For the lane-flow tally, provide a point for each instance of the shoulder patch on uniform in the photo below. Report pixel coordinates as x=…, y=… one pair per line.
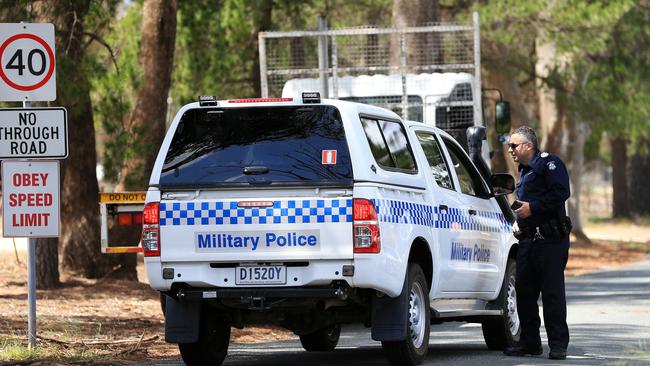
x=544, y=154
x=551, y=165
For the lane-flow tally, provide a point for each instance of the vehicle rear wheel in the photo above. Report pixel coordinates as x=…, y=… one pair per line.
x=504, y=331
x=413, y=349
x=322, y=340
x=163, y=302
x=212, y=345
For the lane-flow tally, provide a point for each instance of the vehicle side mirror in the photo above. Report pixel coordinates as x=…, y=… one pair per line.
x=502, y=184
x=502, y=116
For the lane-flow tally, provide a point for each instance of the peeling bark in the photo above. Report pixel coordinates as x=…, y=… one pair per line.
x=148, y=120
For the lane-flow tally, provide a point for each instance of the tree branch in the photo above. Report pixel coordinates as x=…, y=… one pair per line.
x=95, y=342
x=100, y=40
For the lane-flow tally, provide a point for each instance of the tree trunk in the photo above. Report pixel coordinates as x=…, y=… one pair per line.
x=262, y=12
x=147, y=122
x=421, y=49
x=639, y=194
x=47, y=263
x=620, y=208
x=550, y=118
x=79, y=240
x=579, y=133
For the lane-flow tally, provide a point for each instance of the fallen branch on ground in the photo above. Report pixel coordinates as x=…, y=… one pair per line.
x=93, y=342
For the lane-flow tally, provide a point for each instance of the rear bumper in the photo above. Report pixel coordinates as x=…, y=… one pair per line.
x=203, y=275
x=338, y=292
x=369, y=272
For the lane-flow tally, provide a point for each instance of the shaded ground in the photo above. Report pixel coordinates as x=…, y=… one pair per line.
x=115, y=322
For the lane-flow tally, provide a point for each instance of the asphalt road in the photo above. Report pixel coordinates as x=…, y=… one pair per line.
x=608, y=314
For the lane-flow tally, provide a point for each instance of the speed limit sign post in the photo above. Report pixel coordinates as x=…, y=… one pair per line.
x=28, y=74
x=27, y=62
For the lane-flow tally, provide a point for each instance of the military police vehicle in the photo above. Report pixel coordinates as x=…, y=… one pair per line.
x=308, y=214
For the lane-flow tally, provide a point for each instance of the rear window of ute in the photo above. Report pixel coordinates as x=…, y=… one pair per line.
x=258, y=146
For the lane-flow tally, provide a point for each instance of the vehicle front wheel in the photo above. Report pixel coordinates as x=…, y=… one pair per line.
x=413, y=349
x=504, y=331
x=212, y=345
x=322, y=340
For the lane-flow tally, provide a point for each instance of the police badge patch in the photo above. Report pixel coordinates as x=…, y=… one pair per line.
x=551, y=166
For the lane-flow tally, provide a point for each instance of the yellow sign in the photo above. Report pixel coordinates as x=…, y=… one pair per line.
x=132, y=197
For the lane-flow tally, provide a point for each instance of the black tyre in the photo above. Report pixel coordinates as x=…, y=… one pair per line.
x=163, y=302
x=322, y=340
x=413, y=349
x=504, y=331
x=212, y=346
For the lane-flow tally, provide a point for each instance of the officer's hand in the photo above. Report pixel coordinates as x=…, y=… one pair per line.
x=524, y=210
x=515, y=227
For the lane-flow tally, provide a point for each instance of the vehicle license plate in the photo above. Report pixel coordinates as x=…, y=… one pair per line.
x=261, y=275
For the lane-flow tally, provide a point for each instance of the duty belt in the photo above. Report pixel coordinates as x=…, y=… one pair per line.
x=553, y=229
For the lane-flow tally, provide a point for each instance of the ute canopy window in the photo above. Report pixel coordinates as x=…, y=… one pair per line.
x=389, y=145
x=259, y=146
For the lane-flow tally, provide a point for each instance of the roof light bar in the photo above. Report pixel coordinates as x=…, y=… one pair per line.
x=207, y=100
x=311, y=97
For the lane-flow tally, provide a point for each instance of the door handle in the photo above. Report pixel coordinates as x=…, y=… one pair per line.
x=443, y=207
x=472, y=212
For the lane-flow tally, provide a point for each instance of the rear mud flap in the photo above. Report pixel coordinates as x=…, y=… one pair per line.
x=182, y=321
x=390, y=316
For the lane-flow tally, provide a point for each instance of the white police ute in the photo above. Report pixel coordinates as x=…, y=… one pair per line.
x=308, y=214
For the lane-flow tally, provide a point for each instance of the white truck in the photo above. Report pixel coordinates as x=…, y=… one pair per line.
x=308, y=214
x=429, y=73
x=444, y=100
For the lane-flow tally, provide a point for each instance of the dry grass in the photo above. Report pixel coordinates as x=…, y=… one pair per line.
x=86, y=322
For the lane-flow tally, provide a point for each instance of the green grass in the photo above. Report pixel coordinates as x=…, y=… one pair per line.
x=16, y=350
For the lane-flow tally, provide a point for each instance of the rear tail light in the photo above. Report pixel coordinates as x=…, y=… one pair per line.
x=365, y=227
x=151, y=229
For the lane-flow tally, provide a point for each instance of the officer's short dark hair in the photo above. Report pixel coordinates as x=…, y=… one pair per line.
x=528, y=133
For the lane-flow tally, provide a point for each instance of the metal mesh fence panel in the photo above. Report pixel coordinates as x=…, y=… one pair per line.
x=389, y=67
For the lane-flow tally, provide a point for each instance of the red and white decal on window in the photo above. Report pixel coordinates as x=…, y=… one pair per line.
x=328, y=157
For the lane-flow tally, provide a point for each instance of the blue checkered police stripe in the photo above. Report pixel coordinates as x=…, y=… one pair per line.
x=326, y=211
x=401, y=212
x=282, y=212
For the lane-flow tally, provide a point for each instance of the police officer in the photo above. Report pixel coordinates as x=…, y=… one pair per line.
x=543, y=233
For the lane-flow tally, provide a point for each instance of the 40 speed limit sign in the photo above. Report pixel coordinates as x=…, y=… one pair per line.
x=27, y=62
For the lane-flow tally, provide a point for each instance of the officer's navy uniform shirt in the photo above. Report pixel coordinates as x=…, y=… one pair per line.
x=544, y=184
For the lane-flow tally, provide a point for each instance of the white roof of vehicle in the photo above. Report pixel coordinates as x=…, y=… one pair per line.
x=434, y=84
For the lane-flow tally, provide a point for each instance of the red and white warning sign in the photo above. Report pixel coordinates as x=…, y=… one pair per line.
x=27, y=62
x=328, y=157
x=30, y=198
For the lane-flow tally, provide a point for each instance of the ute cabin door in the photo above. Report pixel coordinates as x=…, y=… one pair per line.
x=477, y=257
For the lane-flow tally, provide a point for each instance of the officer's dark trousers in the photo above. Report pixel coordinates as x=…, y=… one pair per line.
x=540, y=268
